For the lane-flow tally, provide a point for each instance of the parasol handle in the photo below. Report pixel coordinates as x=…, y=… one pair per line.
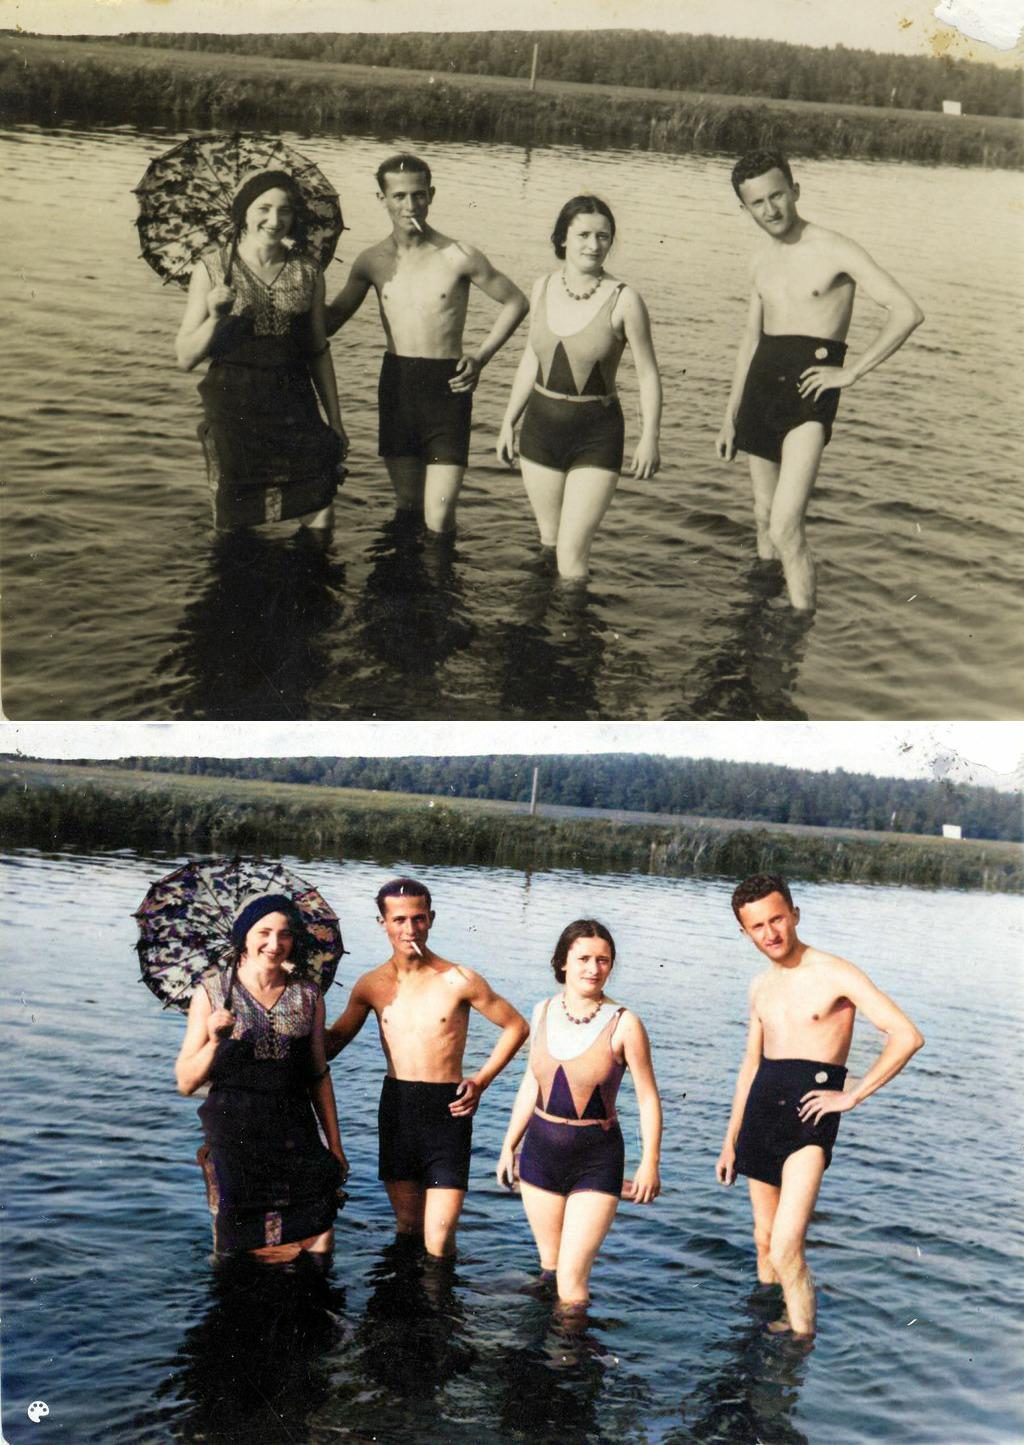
x=231, y=985
x=227, y=282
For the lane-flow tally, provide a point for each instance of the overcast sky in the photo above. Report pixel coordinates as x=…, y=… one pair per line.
x=991, y=754
x=910, y=26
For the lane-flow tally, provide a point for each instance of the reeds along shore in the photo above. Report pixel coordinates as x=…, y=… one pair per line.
x=46, y=808
x=76, y=83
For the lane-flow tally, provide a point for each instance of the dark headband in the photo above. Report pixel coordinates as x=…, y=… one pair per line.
x=257, y=909
x=255, y=186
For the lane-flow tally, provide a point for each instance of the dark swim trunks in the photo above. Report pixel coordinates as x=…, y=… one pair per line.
x=569, y=1158
x=771, y=405
x=567, y=434
x=419, y=415
x=419, y=1139
x=772, y=1130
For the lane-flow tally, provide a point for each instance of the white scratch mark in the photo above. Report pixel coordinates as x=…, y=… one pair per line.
x=910, y=599
x=912, y=1322
x=998, y=23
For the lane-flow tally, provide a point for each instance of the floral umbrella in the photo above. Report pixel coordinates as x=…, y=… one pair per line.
x=185, y=922
x=185, y=199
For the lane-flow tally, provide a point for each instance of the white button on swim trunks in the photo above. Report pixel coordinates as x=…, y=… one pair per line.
x=821, y=1077
x=821, y=353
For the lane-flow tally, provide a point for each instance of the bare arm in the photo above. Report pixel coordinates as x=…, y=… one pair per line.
x=725, y=444
x=514, y=307
x=637, y=323
x=321, y=1090
x=206, y=309
x=514, y=1029
x=525, y=1102
x=725, y=1169
x=321, y=367
x=637, y=1049
x=350, y=297
x=202, y=1038
x=904, y=316
x=902, y=1041
x=522, y=385
x=347, y=1024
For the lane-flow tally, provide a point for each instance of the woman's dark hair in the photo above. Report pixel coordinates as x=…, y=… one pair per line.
x=582, y=928
x=271, y=181
x=578, y=206
x=303, y=943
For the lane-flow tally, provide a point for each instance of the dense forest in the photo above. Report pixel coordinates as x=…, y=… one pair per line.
x=653, y=59
x=650, y=784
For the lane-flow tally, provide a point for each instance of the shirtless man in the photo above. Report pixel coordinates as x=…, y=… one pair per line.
x=786, y=1108
x=425, y=394
x=792, y=362
x=422, y=1003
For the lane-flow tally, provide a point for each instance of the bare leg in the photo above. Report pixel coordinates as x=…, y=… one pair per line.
x=764, y=477
x=545, y=1212
x=407, y=1201
x=801, y=456
x=801, y=1180
x=407, y=478
x=586, y=497
x=588, y=1218
x=440, y=1216
x=440, y=494
x=764, y=1201
x=544, y=487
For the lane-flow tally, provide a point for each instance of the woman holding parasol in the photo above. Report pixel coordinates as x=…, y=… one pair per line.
x=255, y=1034
x=249, y=224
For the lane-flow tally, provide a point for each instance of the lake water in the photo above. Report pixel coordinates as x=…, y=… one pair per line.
x=120, y=603
x=113, y=1317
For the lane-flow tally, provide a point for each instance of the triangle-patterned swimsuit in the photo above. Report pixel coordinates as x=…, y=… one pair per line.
x=574, y=1141
x=573, y=417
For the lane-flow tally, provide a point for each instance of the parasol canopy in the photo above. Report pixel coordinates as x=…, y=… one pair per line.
x=185, y=199
x=185, y=922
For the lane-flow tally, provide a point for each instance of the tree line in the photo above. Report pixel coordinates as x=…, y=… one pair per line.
x=649, y=784
x=715, y=64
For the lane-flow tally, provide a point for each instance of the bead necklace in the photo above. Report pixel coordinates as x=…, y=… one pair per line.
x=583, y=295
x=572, y=1017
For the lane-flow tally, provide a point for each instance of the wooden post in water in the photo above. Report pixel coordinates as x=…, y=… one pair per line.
x=533, y=794
x=533, y=86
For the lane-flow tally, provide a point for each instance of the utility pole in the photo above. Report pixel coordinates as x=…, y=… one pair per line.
x=533, y=794
x=533, y=82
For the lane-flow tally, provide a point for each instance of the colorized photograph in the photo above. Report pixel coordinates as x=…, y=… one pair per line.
x=644, y=1092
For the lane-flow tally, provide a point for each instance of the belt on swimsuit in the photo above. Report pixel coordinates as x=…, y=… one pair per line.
x=612, y=396
x=576, y=1123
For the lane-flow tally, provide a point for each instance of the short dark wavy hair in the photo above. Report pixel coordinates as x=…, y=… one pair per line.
x=578, y=206
x=759, y=163
x=403, y=162
x=402, y=888
x=756, y=887
x=581, y=928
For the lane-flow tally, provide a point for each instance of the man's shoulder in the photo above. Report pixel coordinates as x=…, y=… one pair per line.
x=822, y=962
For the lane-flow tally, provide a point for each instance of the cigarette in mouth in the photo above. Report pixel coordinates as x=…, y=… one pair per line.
x=416, y=948
x=413, y=222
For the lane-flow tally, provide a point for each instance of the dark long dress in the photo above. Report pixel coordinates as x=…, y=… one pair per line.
x=270, y=1179
x=270, y=455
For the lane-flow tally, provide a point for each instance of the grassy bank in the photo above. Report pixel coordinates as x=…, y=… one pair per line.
x=54, y=806
x=50, y=81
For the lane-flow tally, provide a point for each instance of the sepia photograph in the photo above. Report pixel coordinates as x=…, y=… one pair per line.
x=285, y=443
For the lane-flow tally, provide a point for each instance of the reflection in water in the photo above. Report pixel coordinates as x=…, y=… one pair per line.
x=754, y=1390
x=255, y=1366
x=549, y=657
x=254, y=645
x=752, y=674
x=411, y=1340
x=412, y=617
x=551, y=1385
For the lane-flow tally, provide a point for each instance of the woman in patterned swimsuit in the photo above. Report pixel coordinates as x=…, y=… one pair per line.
x=258, y=1040
x=572, y=442
x=572, y=1163
x=256, y=309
